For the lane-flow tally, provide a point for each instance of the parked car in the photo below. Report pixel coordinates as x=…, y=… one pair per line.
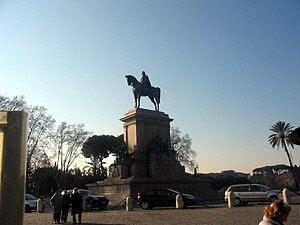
x=222, y=191
x=92, y=201
x=30, y=202
x=162, y=197
x=245, y=193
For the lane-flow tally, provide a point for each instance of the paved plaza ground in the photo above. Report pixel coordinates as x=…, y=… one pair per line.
x=217, y=214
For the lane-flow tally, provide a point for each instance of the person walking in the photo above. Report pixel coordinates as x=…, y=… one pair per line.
x=66, y=200
x=276, y=213
x=76, y=200
x=56, y=203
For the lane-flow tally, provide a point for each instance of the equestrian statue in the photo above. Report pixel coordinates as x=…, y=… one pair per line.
x=143, y=88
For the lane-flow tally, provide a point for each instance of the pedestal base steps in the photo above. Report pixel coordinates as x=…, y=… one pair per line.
x=117, y=190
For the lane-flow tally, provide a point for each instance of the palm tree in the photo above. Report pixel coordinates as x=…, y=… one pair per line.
x=281, y=138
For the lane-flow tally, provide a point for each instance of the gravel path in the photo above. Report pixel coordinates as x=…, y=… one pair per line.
x=214, y=215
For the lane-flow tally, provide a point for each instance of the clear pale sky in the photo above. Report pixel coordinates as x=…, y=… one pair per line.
x=227, y=69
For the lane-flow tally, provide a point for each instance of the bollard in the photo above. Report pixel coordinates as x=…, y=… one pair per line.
x=129, y=203
x=287, y=196
x=179, y=202
x=84, y=208
x=231, y=199
x=40, y=205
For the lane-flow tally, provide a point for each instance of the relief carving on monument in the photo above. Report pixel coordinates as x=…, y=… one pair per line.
x=159, y=145
x=123, y=188
x=114, y=171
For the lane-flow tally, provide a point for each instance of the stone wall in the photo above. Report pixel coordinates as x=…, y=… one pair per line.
x=117, y=191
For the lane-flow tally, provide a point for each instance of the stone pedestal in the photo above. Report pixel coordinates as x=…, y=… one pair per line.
x=150, y=162
x=141, y=127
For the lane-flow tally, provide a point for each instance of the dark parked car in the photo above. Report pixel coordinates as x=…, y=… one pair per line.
x=93, y=201
x=162, y=197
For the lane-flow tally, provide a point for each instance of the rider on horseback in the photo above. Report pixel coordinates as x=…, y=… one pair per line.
x=143, y=88
x=145, y=82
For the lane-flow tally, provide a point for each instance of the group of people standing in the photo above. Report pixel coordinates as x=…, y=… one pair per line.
x=61, y=201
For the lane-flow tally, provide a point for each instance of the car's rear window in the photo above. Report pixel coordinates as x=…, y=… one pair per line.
x=152, y=192
x=256, y=188
x=240, y=189
x=86, y=192
x=265, y=187
x=30, y=197
x=164, y=192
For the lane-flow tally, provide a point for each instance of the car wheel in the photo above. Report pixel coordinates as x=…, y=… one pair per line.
x=237, y=201
x=145, y=205
x=89, y=205
x=185, y=205
x=273, y=198
x=27, y=208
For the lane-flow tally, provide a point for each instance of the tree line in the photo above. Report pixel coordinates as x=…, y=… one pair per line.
x=276, y=176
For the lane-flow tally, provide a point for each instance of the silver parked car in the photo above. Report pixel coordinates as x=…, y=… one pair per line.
x=245, y=193
x=30, y=202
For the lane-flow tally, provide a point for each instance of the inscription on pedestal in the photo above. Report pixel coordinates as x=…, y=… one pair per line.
x=123, y=188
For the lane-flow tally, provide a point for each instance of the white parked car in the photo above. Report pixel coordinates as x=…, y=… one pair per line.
x=30, y=202
x=245, y=193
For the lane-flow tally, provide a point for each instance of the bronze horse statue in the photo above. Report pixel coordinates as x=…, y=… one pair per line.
x=152, y=92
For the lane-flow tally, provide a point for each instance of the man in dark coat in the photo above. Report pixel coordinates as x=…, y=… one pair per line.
x=76, y=200
x=66, y=199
